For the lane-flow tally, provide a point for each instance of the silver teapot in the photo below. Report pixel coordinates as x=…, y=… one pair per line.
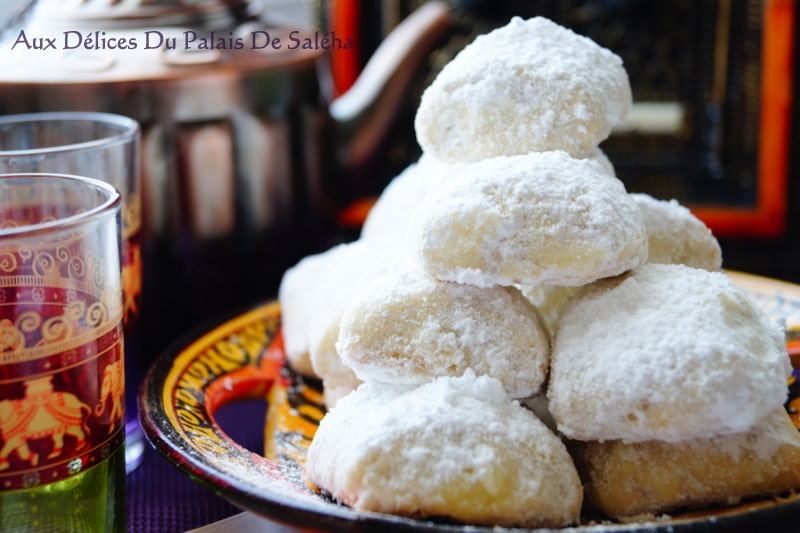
x=246, y=154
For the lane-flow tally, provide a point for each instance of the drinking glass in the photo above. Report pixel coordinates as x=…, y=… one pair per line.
x=102, y=146
x=62, y=379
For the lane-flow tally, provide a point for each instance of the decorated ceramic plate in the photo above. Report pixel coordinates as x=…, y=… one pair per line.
x=243, y=358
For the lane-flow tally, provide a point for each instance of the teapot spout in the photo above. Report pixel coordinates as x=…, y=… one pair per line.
x=365, y=113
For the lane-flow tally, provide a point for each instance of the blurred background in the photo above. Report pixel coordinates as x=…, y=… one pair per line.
x=714, y=125
x=249, y=163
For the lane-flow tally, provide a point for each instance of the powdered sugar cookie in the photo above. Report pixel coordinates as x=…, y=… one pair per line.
x=296, y=296
x=407, y=328
x=530, y=86
x=549, y=300
x=338, y=379
x=668, y=353
x=654, y=477
x=388, y=218
x=536, y=218
x=456, y=448
x=675, y=235
x=313, y=294
x=599, y=156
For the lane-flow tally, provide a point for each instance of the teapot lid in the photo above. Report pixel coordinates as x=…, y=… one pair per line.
x=113, y=14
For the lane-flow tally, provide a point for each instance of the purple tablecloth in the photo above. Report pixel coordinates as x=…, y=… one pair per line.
x=162, y=499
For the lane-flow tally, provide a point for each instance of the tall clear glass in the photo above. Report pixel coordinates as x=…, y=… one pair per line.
x=102, y=146
x=62, y=379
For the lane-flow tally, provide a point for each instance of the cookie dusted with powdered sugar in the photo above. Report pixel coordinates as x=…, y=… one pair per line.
x=625, y=479
x=530, y=86
x=313, y=294
x=296, y=296
x=599, y=156
x=536, y=218
x=676, y=236
x=408, y=328
x=549, y=300
x=455, y=448
x=666, y=353
x=388, y=218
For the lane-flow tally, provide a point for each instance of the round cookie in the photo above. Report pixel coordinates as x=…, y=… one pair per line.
x=530, y=86
x=666, y=352
x=536, y=218
x=338, y=379
x=676, y=236
x=599, y=156
x=388, y=218
x=549, y=300
x=625, y=479
x=313, y=294
x=407, y=328
x=456, y=448
x=296, y=295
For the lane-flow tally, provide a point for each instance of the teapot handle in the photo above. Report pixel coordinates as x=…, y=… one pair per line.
x=364, y=113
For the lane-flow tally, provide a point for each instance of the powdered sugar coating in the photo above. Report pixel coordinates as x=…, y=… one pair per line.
x=624, y=479
x=407, y=328
x=530, y=86
x=549, y=300
x=455, y=447
x=536, y=218
x=296, y=296
x=313, y=294
x=675, y=235
x=668, y=353
x=388, y=218
x=599, y=156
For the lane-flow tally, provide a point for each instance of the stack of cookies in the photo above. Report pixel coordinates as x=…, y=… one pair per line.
x=510, y=267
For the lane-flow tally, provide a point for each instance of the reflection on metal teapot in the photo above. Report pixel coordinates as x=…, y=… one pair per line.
x=245, y=154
